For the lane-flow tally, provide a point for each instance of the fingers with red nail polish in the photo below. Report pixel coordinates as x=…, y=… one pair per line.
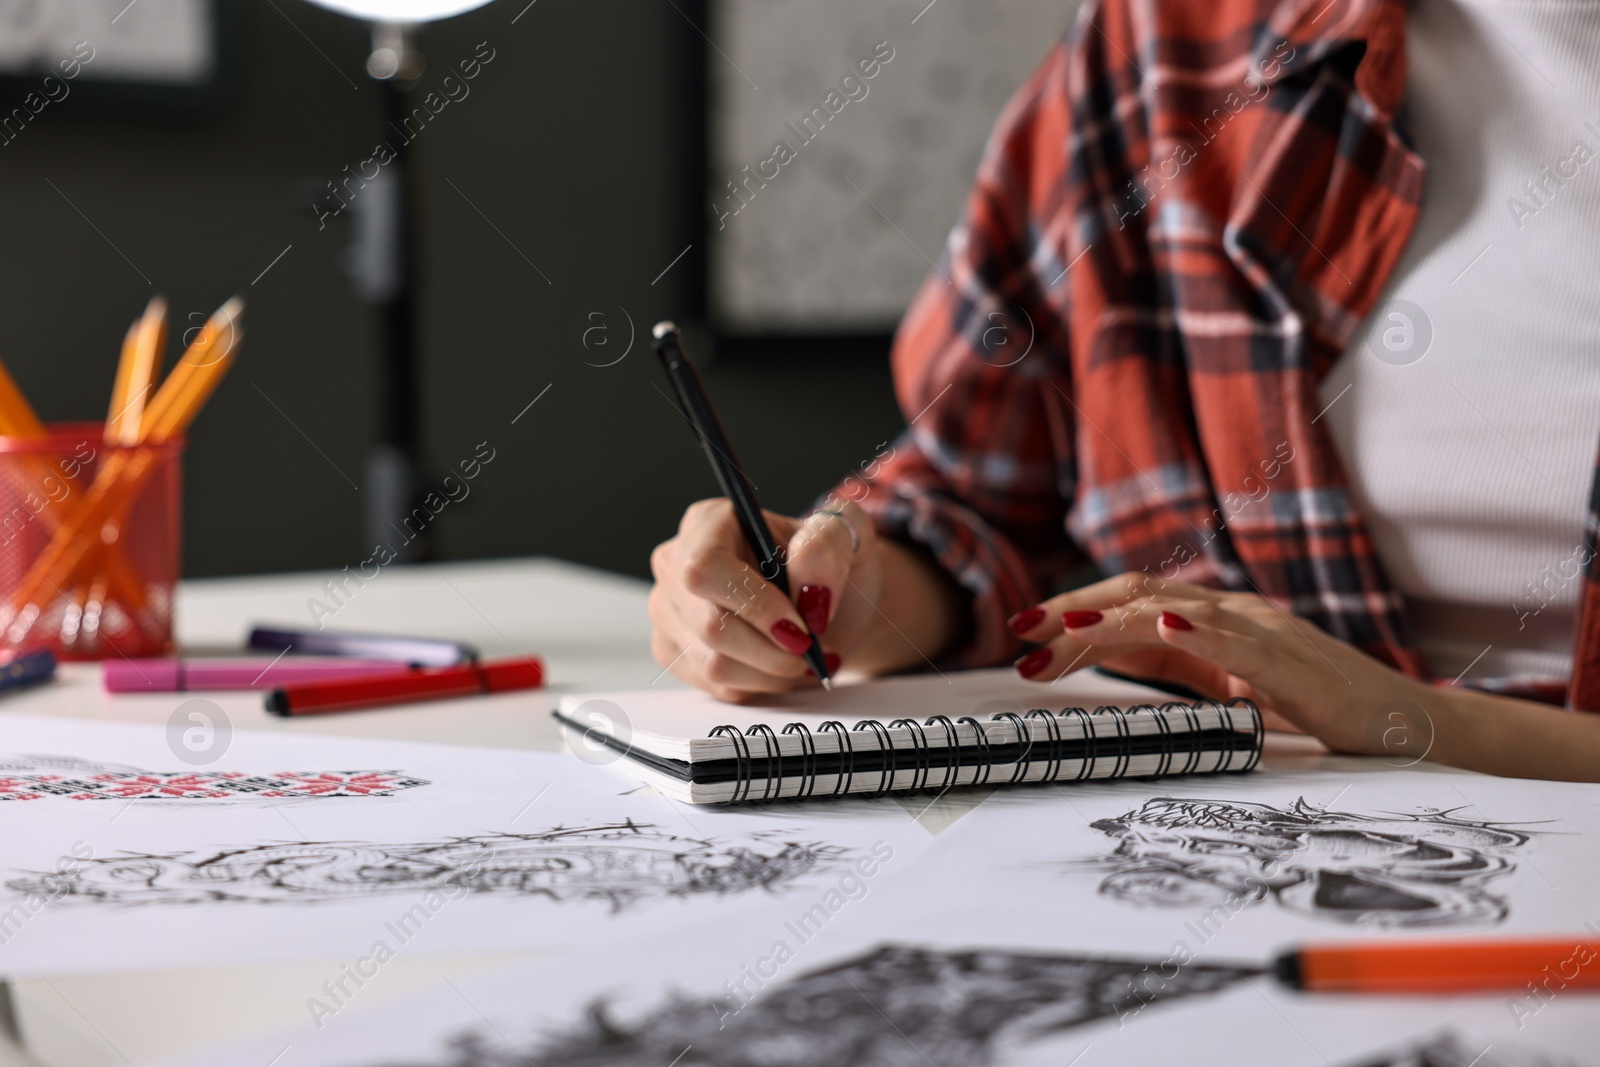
x=1023, y=621
x=1092, y=636
x=790, y=637
x=1034, y=662
x=813, y=604
x=823, y=557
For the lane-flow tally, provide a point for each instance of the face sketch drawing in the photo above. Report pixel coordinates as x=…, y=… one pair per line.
x=1387, y=870
x=1447, y=1049
x=620, y=864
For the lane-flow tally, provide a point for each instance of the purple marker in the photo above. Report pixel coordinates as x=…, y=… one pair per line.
x=183, y=675
x=423, y=651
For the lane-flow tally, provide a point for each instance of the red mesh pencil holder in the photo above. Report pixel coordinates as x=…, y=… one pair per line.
x=90, y=544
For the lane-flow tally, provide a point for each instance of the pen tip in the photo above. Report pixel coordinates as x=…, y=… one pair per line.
x=663, y=328
x=827, y=683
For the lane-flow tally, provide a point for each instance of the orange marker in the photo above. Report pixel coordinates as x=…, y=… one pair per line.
x=1425, y=967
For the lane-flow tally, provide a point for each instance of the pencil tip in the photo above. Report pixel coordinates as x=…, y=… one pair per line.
x=827, y=683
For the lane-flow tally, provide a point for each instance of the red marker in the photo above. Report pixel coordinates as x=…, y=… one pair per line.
x=440, y=683
x=1441, y=966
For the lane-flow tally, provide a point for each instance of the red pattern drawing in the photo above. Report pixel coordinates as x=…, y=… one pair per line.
x=204, y=785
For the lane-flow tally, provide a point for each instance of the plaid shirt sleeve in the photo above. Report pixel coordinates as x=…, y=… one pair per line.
x=983, y=476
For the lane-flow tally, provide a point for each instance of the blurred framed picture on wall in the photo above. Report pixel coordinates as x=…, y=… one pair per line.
x=145, y=57
x=843, y=140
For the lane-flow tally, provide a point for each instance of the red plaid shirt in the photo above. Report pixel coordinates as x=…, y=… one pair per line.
x=1178, y=225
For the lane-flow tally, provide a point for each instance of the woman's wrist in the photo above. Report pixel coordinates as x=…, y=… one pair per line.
x=1514, y=738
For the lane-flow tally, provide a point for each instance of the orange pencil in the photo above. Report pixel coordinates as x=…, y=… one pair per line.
x=16, y=416
x=137, y=371
x=120, y=478
x=1431, y=967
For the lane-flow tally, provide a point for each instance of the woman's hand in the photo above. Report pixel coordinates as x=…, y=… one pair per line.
x=1234, y=645
x=1241, y=645
x=721, y=626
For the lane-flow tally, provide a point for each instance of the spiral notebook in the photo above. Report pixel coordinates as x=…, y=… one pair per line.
x=923, y=733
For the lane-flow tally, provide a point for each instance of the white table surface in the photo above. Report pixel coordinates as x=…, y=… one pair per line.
x=589, y=626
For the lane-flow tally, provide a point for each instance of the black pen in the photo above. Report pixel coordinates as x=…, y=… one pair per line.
x=719, y=450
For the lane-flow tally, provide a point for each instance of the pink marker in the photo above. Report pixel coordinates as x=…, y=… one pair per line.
x=183, y=675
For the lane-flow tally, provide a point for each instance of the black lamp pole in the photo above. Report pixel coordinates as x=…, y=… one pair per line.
x=383, y=266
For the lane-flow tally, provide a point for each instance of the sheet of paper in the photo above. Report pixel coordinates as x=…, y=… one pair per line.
x=48, y=763
x=758, y=993
x=355, y=884
x=1244, y=866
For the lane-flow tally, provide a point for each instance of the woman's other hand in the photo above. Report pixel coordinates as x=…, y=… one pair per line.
x=1225, y=644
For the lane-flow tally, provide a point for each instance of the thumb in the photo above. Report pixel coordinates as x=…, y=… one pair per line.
x=822, y=552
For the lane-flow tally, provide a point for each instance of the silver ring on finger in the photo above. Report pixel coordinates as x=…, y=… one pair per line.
x=855, y=538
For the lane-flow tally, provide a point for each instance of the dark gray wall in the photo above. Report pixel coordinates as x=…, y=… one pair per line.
x=571, y=147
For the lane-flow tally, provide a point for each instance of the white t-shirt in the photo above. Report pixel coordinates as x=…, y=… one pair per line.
x=1467, y=411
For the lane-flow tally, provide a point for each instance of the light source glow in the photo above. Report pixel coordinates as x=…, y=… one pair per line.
x=400, y=10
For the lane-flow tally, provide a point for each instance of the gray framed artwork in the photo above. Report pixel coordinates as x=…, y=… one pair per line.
x=152, y=57
x=843, y=141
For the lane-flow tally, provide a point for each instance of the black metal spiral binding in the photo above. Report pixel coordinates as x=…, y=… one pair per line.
x=885, y=746
x=1225, y=721
x=1166, y=749
x=1258, y=733
x=1024, y=738
x=741, y=782
x=847, y=755
x=919, y=744
x=1053, y=725
x=1124, y=738
x=1053, y=732
x=1191, y=718
x=808, y=759
x=952, y=744
x=980, y=774
x=774, y=759
x=1226, y=759
x=1086, y=730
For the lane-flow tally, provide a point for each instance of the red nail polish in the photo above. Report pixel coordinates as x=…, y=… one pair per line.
x=790, y=637
x=1077, y=620
x=1175, y=622
x=813, y=604
x=1023, y=621
x=1033, y=662
x=831, y=661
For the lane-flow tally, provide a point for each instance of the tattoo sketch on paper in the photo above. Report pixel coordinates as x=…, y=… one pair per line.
x=621, y=864
x=899, y=1005
x=39, y=777
x=1384, y=870
x=1447, y=1049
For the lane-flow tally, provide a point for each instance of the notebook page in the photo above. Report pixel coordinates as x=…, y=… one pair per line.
x=677, y=723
